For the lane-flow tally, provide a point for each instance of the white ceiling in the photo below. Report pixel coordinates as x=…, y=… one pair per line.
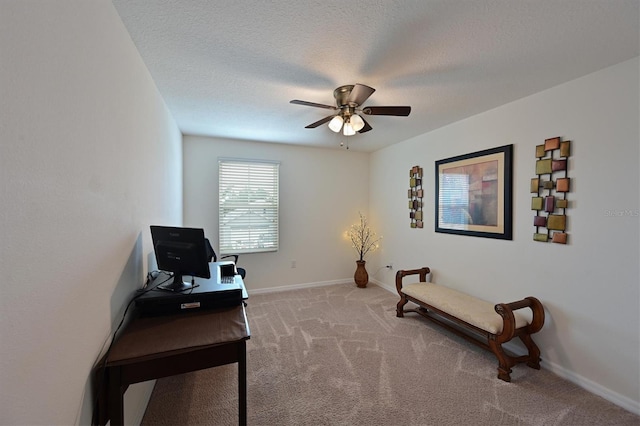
x=228, y=68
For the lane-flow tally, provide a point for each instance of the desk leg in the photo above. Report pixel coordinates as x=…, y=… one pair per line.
x=242, y=383
x=115, y=402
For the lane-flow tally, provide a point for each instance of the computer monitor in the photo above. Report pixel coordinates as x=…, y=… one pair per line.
x=182, y=251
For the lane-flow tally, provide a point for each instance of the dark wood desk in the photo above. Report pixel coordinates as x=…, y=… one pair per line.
x=155, y=347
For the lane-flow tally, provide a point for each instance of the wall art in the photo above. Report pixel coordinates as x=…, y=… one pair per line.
x=550, y=187
x=474, y=194
x=415, y=195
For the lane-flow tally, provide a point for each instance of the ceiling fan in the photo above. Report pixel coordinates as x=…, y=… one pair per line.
x=349, y=110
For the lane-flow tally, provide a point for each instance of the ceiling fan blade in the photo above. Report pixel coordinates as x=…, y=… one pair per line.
x=388, y=110
x=319, y=122
x=360, y=93
x=366, y=127
x=311, y=104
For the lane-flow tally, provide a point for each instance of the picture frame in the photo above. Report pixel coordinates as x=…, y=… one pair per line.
x=474, y=194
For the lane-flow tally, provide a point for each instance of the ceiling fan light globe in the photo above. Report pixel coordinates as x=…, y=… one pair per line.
x=357, y=123
x=336, y=123
x=348, y=130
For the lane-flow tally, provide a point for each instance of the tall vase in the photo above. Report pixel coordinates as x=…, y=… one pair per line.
x=361, y=276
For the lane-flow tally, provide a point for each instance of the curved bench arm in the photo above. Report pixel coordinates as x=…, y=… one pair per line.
x=509, y=323
x=401, y=274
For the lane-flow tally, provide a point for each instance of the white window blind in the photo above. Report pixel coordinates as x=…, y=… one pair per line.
x=248, y=203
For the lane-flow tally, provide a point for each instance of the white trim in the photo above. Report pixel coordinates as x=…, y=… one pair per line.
x=315, y=284
x=593, y=387
x=298, y=286
x=383, y=285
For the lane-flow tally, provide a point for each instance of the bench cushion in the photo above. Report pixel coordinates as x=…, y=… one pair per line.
x=469, y=309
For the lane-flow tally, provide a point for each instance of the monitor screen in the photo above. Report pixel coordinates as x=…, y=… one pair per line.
x=182, y=251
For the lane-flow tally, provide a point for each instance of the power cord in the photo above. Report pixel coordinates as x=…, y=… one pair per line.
x=152, y=276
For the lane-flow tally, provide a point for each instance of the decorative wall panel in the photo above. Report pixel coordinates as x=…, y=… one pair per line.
x=415, y=197
x=550, y=189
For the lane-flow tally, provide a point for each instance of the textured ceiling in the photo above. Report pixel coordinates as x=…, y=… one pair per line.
x=228, y=68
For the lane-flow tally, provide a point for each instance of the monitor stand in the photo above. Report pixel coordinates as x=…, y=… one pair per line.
x=177, y=285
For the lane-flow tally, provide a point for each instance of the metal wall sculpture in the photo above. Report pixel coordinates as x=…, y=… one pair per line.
x=415, y=197
x=550, y=189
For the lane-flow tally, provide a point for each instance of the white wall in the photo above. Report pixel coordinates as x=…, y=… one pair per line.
x=90, y=157
x=590, y=287
x=321, y=192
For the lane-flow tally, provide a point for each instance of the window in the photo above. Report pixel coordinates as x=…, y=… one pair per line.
x=248, y=203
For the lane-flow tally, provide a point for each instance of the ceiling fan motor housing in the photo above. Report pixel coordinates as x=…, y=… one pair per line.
x=342, y=95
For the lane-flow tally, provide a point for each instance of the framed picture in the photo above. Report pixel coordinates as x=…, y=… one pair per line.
x=474, y=194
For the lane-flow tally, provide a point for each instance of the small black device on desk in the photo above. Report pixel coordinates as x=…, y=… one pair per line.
x=223, y=289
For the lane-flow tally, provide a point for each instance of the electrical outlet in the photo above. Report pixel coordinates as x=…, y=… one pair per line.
x=293, y=264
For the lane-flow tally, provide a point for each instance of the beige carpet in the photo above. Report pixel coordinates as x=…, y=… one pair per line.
x=337, y=355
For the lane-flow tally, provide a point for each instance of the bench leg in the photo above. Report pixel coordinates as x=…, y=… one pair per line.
x=504, y=361
x=399, y=307
x=534, y=351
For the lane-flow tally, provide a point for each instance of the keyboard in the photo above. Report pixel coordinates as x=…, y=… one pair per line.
x=227, y=280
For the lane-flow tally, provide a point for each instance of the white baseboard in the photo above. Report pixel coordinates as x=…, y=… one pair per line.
x=383, y=285
x=593, y=387
x=586, y=384
x=298, y=286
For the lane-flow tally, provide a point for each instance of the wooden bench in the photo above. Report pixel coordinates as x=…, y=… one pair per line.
x=482, y=323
